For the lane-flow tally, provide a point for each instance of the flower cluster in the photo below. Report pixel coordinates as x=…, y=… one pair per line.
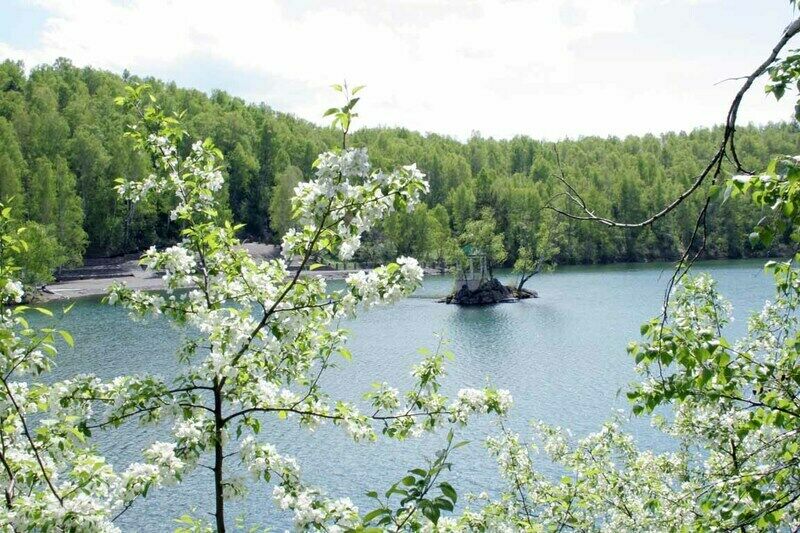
x=12, y=291
x=176, y=262
x=312, y=511
x=195, y=179
x=382, y=285
x=263, y=460
x=345, y=200
x=471, y=401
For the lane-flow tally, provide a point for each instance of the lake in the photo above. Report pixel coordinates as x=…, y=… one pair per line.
x=562, y=356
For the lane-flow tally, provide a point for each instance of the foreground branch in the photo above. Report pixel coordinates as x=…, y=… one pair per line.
x=726, y=150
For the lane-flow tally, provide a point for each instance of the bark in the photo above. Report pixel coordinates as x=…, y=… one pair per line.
x=219, y=513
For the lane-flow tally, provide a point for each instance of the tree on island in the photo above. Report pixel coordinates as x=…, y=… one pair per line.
x=540, y=252
x=482, y=235
x=483, y=247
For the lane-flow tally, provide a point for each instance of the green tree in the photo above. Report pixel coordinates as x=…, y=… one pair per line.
x=43, y=256
x=280, y=202
x=60, y=111
x=483, y=236
x=67, y=216
x=461, y=203
x=90, y=161
x=442, y=240
x=539, y=255
x=412, y=234
x=12, y=165
x=41, y=191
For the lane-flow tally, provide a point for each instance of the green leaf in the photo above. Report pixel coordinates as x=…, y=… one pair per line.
x=67, y=338
x=345, y=353
x=448, y=491
x=727, y=194
x=445, y=504
x=376, y=513
x=431, y=512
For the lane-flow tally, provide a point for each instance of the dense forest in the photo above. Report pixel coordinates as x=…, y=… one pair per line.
x=62, y=148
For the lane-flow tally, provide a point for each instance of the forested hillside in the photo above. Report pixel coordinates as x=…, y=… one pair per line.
x=62, y=148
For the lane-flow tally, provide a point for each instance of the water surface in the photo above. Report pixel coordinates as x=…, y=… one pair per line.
x=562, y=356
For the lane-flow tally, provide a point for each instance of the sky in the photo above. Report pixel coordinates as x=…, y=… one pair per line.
x=545, y=68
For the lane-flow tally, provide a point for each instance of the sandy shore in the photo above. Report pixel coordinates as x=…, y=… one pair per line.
x=137, y=278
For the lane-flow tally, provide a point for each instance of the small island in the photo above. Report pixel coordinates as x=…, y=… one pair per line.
x=475, y=284
x=483, y=247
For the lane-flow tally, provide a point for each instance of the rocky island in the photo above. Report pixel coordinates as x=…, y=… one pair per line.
x=489, y=292
x=475, y=284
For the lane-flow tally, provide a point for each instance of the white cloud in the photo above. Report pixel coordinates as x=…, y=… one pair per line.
x=450, y=66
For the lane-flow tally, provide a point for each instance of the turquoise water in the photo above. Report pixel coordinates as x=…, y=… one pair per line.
x=562, y=356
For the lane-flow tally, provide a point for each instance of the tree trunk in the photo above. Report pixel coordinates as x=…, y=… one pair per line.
x=219, y=513
x=523, y=279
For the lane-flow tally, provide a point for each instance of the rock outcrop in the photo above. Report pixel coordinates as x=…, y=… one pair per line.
x=490, y=292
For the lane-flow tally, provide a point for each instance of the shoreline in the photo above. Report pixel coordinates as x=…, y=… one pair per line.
x=136, y=278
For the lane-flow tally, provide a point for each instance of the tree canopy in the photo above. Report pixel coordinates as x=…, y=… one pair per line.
x=62, y=148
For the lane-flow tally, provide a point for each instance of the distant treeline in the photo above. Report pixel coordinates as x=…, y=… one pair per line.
x=62, y=148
